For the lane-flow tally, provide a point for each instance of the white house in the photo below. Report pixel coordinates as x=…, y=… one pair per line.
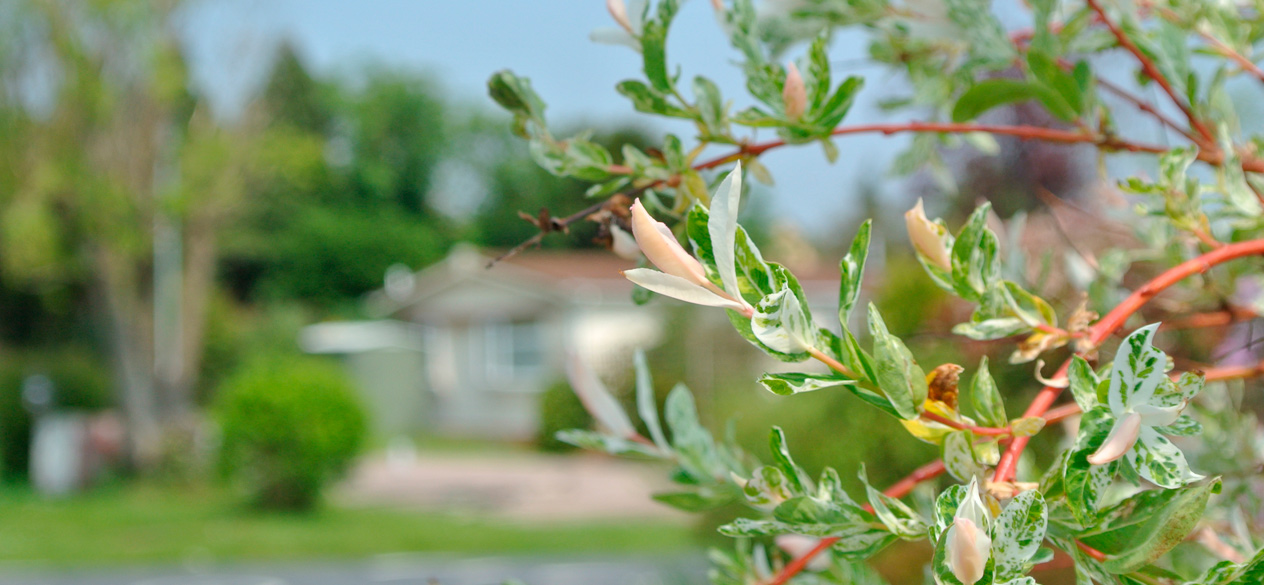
x=464, y=350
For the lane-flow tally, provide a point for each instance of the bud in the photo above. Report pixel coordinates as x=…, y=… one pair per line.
x=794, y=94
x=718, y=5
x=1121, y=439
x=682, y=276
x=622, y=243
x=968, y=548
x=928, y=237
x=620, y=14
x=661, y=248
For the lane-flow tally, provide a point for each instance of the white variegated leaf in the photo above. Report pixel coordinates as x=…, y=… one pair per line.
x=959, y=456
x=722, y=227
x=1159, y=461
x=1017, y=534
x=781, y=324
x=1137, y=371
x=677, y=288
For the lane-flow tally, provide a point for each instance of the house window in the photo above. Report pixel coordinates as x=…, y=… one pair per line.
x=514, y=353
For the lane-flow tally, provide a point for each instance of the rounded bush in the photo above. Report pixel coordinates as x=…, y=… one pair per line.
x=289, y=427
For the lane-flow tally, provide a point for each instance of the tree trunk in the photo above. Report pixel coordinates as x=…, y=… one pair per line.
x=129, y=346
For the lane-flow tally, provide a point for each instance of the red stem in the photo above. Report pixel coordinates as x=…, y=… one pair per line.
x=898, y=489
x=1113, y=321
x=936, y=468
x=986, y=431
x=1090, y=551
x=1146, y=107
x=1152, y=71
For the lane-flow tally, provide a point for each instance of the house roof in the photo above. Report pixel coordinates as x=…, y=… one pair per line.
x=543, y=277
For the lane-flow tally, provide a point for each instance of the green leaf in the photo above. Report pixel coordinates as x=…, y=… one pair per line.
x=515, y=94
x=958, y=456
x=817, y=73
x=646, y=405
x=946, y=509
x=1030, y=308
x=852, y=268
x=991, y=93
x=605, y=443
x=978, y=24
x=834, y=110
x=1227, y=573
x=1084, y=383
x=897, y=373
x=989, y=407
x=1085, y=484
x=1149, y=525
x=649, y=100
x=654, y=52
x=794, y=383
x=694, y=445
x=900, y=519
x=710, y=104
x=1017, y=534
x=768, y=487
x=799, y=479
x=974, y=257
x=1064, y=97
x=809, y=510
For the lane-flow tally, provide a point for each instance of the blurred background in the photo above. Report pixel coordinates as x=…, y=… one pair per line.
x=248, y=332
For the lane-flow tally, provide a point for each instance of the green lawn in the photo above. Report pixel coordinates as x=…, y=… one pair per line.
x=145, y=524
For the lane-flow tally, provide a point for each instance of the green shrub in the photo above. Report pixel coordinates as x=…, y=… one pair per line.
x=290, y=425
x=560, y=409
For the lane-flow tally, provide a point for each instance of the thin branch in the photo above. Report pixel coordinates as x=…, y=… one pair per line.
x=1115, y=319
x=1227, y=316
x=1145, y=106
x=833, y=363
x=1152, y=71
x=985, y=431
x=898, y=489
x=1227, y=51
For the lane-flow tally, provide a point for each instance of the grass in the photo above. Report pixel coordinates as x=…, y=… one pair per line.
x=141, y=524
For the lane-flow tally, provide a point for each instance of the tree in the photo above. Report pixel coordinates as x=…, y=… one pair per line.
x=123, y=184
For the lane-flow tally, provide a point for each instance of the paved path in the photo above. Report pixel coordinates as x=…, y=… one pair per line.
x=397, y=570
x=526, y=486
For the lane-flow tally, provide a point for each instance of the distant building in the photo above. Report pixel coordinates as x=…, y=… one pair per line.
x=463, y=350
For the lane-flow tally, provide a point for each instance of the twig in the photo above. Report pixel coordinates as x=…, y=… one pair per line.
x=986, y=431
x=1146, y=107
x=898, y=489
x=1113, y=321
x=1152, y=71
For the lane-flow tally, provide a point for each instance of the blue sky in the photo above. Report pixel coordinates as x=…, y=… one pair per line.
x=462, y=43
